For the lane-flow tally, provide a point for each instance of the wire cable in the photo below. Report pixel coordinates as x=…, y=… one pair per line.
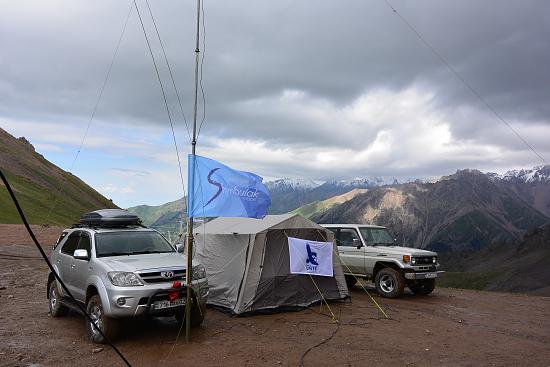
x=57, y=277
x=169, y=69
x=461, y=79
x=202, y=63
x=94, y=110
x=163, y=94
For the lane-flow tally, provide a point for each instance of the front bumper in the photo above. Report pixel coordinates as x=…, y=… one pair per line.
x=426, y=275
x=138, y=300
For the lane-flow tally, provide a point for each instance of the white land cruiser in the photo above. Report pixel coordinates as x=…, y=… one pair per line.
x=118, y=268
x=370, y=252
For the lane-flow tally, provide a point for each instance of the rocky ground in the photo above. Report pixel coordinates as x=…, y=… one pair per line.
x=451, y=327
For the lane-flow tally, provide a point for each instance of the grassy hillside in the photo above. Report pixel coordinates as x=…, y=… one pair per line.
x=319, y=207
x=164, y=218
x=38, y=184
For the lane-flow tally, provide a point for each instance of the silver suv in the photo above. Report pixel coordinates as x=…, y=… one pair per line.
x=119, y=269
x=370, y=252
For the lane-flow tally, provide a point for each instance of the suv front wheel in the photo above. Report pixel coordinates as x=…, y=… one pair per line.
x=57, y=309
x=107, y=325
x=389, y=283
x=422, y=287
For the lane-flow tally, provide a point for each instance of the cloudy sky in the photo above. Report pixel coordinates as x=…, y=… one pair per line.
x=313, y=89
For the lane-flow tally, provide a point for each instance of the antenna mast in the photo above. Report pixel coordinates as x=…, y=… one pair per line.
x=189, y=247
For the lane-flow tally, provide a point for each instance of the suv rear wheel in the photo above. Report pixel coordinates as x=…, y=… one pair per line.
x=422, y=287
x=107, y=325
x=389, y=283
x=350, y=281
x=197, y=315
x=57, y=309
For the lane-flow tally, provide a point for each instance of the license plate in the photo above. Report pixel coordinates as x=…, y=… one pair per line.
x=430, y=275
x=159, y=305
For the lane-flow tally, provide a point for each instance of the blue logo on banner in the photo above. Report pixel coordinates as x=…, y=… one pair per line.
x=311, y=261
x=217, y=184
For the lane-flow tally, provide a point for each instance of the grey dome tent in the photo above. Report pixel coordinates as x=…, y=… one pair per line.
x=247, y=264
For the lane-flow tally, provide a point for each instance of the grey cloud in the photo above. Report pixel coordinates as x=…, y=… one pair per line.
x=54, y=61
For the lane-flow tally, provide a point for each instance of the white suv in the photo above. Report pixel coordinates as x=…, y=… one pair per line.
x=370, y=252
x=119, y=269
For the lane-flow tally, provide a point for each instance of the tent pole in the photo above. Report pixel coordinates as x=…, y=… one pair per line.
x=190, y=189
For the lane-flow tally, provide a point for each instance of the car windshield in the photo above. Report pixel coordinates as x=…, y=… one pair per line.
x=130, y=243
x=377, y=236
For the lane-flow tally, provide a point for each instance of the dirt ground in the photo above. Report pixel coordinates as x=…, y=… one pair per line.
x=451, y=327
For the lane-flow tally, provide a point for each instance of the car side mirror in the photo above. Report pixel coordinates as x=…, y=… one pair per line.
x=357, y=243
x=180, y=247
x=81, y=254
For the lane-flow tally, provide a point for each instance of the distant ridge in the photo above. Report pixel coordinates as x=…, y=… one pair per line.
x=37, y=182
x=467, y=210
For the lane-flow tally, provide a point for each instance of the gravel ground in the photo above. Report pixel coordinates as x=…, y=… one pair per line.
x=451, y=327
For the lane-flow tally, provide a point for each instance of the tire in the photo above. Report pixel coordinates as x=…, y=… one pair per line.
x=197, y=315
x=350, y=281
x=389, y=283
x=57, y=309
x=108, y=326
x=422, y=287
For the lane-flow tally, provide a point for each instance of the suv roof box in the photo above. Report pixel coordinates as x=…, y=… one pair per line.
x=109, y=218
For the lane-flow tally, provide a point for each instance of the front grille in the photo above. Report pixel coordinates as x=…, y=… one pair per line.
x=163, y=276
x=423, y=260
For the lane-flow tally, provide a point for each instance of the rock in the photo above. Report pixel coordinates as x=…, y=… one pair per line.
x=10, y=296
x=97, y=350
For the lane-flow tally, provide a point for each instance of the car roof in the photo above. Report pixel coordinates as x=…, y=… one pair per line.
x=351, y=225
x=111, y=229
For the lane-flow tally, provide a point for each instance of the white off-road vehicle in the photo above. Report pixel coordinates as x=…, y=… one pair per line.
x=117, y=269
x=370, y=252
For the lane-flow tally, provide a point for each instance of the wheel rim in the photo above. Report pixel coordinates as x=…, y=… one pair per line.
x=53, y=297
x=96, y=316
x=386, y=283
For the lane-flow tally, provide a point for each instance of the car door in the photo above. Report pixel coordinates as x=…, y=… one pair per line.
x=348, y=241
x=80, y=268
x=65, y=259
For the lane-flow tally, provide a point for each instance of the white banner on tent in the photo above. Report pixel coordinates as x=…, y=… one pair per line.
x=310, y=257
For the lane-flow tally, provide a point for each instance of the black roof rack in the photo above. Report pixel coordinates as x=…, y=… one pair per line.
x=109, y=218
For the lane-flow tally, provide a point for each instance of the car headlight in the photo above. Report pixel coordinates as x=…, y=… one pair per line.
x=199, y=272
x=413, y=261
x=434, y=260
x=124, y=279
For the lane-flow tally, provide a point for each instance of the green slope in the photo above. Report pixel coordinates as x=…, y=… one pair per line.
x=38, y=184
x=164, y=218
x=319, y=207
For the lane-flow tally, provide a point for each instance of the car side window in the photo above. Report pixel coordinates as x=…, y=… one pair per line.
x=71, y=243
x=345, y=237
x=63, y=235
x=84, y=243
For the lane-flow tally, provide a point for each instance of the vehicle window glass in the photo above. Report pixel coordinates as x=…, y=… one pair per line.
x=130, y=243
x=84, y=243
x=71, y=244
x=377, y=236
x=345, y=237
x=63, y=235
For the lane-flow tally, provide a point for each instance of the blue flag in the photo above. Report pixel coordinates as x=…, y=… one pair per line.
x=216, y=190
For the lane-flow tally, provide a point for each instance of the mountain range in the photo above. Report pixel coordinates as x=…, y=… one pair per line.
x=464, y=211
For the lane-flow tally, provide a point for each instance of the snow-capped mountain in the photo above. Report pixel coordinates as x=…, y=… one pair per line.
x=292, y=183
x=375, y=181
x=538, y=174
